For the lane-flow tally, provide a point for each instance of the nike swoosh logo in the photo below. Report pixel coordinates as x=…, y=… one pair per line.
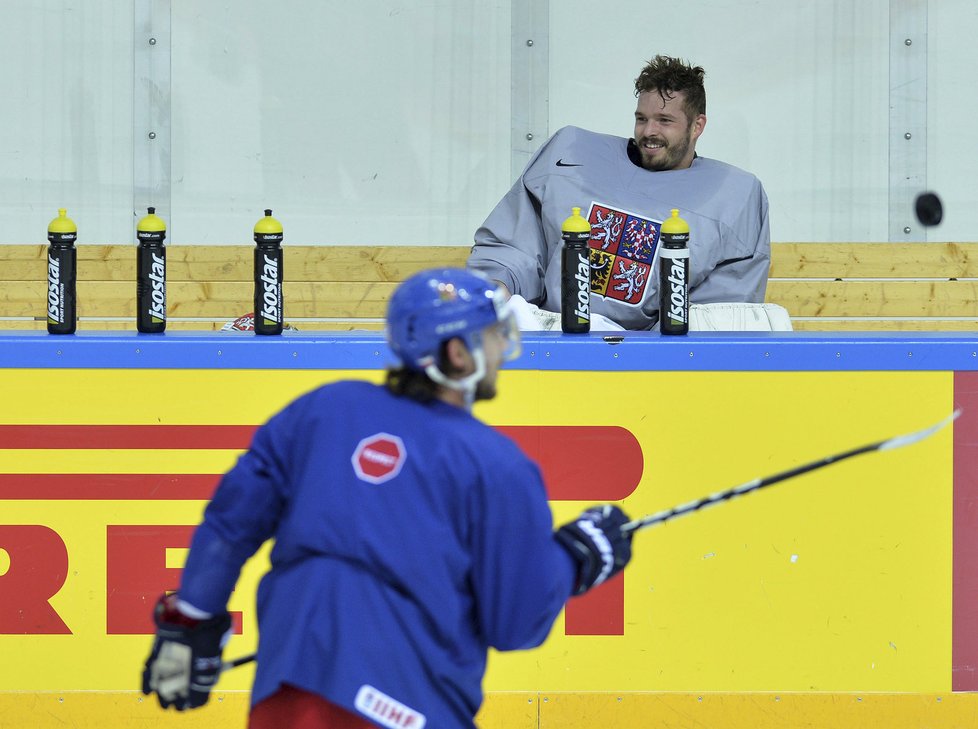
x=561, y=163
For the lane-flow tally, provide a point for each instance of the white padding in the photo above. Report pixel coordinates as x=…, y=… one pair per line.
x=732, y=317
x=531, y=318
x=739, y=317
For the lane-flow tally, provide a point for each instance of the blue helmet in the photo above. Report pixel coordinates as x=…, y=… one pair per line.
x=439, y=304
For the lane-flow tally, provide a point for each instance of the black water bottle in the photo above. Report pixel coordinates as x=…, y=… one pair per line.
x=269, y=260
x=575, y=275
x=62, y=272
x=674, y=276
x=151, y=274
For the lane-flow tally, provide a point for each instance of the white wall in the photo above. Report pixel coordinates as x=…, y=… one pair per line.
x=796, y=93
x=370, y=122
x=388, y=121
x=952, y=107
x=66, y=118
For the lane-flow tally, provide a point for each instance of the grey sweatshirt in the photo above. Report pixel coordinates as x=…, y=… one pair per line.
x=726, y=208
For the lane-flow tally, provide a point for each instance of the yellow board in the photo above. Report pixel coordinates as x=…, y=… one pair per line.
x=755, y=711
x=515, y=710
x=838, y=581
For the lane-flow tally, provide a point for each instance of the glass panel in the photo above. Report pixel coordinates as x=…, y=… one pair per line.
x=796, y=94
x=389, y=122
x=66, y=121
x=357, y=123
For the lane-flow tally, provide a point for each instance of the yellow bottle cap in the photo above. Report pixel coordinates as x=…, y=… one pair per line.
x=62, y=224
x=576, y=223
x=151, y=223
x=268, y=225
x=674, y=224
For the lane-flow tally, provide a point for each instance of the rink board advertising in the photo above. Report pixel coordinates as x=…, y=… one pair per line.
x=859, y=577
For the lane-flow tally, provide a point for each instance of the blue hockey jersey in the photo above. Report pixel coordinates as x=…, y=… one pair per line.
x=409, y=538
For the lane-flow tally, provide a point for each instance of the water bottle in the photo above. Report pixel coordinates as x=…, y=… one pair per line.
x=62, y=270
x=151, y=274
x=269, y=316
x=575, y=275
x=674, y=275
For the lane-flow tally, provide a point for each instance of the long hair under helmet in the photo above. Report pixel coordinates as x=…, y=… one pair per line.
x=439, y=304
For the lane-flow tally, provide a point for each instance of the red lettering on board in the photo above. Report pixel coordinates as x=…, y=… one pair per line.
x=593, y=464
x=38, y=569
x=586, y=463
x=136, y=575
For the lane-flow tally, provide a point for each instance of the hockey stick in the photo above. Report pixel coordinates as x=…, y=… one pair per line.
x=226, y=665
x=759, y=483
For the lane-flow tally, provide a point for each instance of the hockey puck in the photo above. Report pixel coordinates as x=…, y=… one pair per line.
x=929, y=209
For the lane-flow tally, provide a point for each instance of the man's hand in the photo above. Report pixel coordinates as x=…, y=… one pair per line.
x=185, y=661
x=595, y=540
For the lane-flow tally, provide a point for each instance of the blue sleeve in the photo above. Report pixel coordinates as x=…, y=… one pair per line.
x=242, y=515
x=522, y=577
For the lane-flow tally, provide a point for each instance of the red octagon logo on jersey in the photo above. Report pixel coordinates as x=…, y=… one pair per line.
x=379, y=458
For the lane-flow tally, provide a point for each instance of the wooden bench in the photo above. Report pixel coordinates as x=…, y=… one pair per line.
x=824, y=286
x=326, y=287
x=876, y=286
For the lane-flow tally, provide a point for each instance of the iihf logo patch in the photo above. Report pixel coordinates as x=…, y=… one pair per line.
x=386, y=711
x=623, y=247
x=379, y=458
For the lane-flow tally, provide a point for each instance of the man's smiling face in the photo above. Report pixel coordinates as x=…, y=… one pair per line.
x=665, y=136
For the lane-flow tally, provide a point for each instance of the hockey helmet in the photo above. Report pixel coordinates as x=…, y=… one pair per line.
x=438, y=304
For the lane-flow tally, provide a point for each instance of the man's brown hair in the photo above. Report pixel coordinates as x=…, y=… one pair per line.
x=667, y=76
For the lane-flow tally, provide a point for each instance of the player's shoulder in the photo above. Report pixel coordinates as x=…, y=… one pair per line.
x=570, y=149
x=572, y=133
x=587, y=142
x=725, y=171
x=466, y=427
x=339, y=395
x=345, y=388
x=483, y=441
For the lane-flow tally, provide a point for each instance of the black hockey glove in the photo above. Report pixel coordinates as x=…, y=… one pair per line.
x=185, y=662
x=595, y=540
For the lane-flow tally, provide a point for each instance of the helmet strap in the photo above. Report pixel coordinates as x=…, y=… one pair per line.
x=466, y=385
